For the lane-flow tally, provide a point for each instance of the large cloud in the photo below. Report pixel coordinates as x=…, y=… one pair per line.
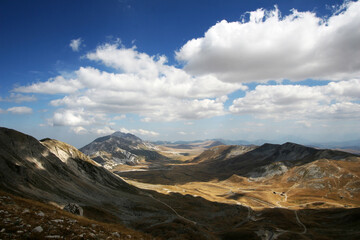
x=72, y=117
x=269, y=47
x=336, y=100
x=140, y=84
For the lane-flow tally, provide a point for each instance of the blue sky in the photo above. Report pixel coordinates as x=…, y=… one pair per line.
x=181, y=70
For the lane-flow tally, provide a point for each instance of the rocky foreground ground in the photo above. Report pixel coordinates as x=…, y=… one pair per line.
x=26, y=219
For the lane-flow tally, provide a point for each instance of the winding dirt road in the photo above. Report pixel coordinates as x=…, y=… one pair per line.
x=300, y=223
x=172, y=209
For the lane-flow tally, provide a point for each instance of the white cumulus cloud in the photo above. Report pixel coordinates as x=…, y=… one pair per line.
x=79, y=130
x=145, y=132
x=336, y=100
x=75, y=117
x=103, y=131
x=53, y=86
x=145, y=85
x=266, y=47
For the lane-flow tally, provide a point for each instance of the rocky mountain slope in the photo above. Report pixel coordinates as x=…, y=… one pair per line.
x=121, y=148
x=222, y=152
x=65, y=151
x=322, y=182
x=273, y=159
x=60, y=172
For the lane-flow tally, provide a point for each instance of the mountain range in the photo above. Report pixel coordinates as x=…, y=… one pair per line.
x=272, y=191
x=352, y=145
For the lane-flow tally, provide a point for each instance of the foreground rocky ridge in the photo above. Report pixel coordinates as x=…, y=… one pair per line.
x=27, y=219
x=30, y=167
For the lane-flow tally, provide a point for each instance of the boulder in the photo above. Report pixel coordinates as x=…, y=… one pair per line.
x=74, y=209
x=38, y=229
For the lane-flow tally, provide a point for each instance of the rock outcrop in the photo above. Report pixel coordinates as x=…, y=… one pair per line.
x=74, y=209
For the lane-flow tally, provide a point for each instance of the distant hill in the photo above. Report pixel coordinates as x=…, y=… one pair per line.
x=121, y=148
x=273, y=159
x=350, y=146
x=223, y=152
x=218, y=140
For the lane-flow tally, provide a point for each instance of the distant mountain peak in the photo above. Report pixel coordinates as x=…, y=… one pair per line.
x=120, y=134
x=127, y=136
x=121, y=148
x=291, y=144
x=284, y=146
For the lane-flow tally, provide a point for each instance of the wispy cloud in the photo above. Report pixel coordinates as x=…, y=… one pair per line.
x=106, y=130
x=140, y=132
x=18, y=98
x=19, y=110
x=120, y=117
x=75, y=44
x=103, y=131
x=145, y=132
x=79, y=130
